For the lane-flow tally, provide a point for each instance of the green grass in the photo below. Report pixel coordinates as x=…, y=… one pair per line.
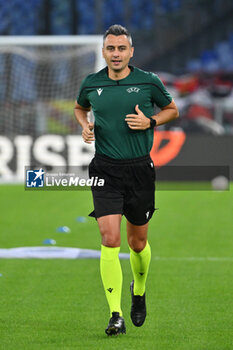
x=60, y=304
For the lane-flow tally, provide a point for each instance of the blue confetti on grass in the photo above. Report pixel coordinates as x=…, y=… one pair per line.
x=49, y=241
x=63, y=229
x=81, y=219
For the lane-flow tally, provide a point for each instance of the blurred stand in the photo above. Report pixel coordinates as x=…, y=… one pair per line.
x=205, y=102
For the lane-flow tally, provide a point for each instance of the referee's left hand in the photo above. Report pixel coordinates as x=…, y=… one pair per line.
x=137, y=121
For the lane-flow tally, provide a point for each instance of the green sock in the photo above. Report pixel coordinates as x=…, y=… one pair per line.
x=140, y=265
x=111, y=274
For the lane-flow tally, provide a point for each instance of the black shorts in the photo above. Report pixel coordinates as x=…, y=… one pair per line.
x=129, y=188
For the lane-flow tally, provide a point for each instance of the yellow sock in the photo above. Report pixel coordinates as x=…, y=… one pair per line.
x=111, y=274
x=140, y=263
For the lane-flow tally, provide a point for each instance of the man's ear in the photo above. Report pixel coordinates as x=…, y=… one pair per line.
x=132, y=51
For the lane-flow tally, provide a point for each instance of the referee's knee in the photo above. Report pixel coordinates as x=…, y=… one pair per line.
x=137, y=244
x=110, y=232
x=110, y=239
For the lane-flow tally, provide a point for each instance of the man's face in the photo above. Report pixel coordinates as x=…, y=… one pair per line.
x=117, y=52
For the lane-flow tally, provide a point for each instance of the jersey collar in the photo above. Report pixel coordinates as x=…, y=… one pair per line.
x=130, y=67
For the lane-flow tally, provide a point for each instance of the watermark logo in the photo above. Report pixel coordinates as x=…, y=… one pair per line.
x=47, y=180
x=35, y=178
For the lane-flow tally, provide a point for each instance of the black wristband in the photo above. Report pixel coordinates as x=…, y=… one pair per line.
x=152, y=123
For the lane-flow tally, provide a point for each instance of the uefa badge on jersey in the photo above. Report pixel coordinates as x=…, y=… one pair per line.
x=35, y=178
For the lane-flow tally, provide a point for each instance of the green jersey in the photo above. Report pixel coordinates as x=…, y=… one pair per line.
x=111, y=100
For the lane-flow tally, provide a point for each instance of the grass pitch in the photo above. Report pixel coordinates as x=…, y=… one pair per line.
x=60, y=304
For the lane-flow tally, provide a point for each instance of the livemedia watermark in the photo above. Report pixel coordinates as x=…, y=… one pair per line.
x=40, y=179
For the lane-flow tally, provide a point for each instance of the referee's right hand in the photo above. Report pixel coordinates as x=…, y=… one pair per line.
x=88, y=134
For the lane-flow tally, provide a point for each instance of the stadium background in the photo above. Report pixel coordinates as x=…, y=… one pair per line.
x=47, y=304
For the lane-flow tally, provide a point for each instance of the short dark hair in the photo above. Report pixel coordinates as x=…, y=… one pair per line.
x=117, y=29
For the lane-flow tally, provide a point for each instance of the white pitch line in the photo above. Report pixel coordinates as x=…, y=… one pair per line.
x=220, y=259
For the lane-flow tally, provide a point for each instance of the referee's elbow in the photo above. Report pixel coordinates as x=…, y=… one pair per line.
x=177, y=114
x=176, y=111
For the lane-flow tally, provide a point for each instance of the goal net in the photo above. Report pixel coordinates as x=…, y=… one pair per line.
x=40, y=78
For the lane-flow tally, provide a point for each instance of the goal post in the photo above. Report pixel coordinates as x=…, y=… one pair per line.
x=40, y=78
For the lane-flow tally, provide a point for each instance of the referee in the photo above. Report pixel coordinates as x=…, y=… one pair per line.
x=122, y=98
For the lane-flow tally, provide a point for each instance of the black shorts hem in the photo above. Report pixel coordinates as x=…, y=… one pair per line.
x=133, y=222
x=97, y=216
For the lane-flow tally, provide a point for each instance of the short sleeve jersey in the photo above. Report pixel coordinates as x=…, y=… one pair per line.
x=111, y=100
